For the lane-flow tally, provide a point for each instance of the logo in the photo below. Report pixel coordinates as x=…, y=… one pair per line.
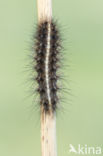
x=81, y=150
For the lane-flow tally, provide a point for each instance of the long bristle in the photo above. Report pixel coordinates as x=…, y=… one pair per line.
x=47, y=49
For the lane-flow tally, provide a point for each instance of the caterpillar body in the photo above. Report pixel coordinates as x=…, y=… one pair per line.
x=47, y=50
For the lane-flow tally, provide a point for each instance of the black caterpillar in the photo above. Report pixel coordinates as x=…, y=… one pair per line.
x=47, y=49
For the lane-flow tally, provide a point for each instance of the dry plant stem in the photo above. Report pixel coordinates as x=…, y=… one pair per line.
x=44, y=10
x=48, y=134
x=48, y=120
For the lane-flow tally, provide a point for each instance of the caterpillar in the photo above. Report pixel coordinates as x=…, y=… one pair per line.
x=47, y=50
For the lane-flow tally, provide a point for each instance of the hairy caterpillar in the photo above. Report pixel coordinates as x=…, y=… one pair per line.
x=47, y=49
